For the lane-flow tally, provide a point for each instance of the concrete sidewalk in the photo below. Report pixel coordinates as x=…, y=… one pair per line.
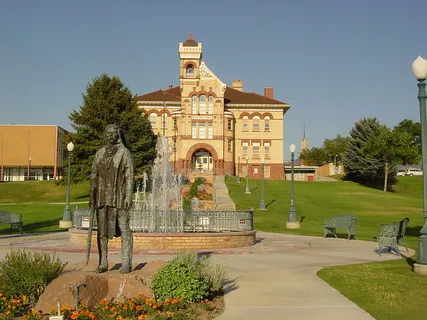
x=274, y=279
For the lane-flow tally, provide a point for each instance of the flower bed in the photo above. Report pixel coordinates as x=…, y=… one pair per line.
x=140, y=307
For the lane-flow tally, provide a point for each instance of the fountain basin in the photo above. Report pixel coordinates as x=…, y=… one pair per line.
x=174, y=241
x=177, y=229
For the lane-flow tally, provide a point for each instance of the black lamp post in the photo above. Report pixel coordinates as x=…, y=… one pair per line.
x=261, y=202
x=292, y=217
x=238, y=173
x=248, y=189
x=419, y=68
x=66, y=221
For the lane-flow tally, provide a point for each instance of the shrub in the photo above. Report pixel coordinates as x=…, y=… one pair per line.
x=28, y=273
x=189, y=277
x=215, y=274
x=180, y=277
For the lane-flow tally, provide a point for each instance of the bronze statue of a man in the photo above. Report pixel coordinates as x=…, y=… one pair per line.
x=111, y=190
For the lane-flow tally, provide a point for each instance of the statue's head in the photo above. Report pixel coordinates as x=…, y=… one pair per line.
x=112, y=134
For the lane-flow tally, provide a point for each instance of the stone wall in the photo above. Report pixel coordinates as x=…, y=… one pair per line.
x=174, y=241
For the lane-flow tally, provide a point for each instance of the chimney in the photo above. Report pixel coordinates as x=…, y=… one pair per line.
x=238, y=85
x=170, y=86
x=269, y=92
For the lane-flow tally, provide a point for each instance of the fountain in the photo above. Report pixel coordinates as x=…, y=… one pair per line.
x=159, y=221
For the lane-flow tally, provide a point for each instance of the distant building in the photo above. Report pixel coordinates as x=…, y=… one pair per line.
x=30, y=152
x=212, y=127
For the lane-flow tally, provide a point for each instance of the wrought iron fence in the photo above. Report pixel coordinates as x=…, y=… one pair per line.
x=177, y=221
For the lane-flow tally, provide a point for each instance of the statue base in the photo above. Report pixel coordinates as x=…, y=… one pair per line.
x=292, y=225
x=65, y=224
x=420, y=269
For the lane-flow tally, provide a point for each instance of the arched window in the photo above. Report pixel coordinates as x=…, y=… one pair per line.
x=194, y=105
x=245, y=124
x=267, y=123
x=153, y=120
x=202, y=104
x=211, y=105
x=189, y=71
x=255, y=123
x=164, y=121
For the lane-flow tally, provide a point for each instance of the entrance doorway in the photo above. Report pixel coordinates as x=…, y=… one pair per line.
x=202, y=160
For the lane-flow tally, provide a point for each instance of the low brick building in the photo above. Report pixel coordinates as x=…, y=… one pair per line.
x=30, y=152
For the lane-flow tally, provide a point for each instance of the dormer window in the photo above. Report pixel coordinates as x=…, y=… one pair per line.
x=189, y=71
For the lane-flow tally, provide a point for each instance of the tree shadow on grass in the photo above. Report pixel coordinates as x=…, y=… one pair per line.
x=35, y=226
x=413, y=231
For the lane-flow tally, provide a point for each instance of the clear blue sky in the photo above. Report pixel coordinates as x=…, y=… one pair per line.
x=335, y=61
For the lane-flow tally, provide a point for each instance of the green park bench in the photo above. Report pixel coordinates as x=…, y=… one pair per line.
x=14, y=219
x=347, y=221
x=390, y=235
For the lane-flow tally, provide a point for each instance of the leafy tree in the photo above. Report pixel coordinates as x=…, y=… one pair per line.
x=314, y=155
x=335, y=148
x=391, y=147
x=107, y=101
x=358, y=164
x=414, y=130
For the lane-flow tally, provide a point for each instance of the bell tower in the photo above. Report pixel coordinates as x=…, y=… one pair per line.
x=190, y=55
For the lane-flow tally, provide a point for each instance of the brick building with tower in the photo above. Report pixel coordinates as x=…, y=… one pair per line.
x=212, y=127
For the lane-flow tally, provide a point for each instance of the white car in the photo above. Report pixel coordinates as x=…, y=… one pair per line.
x=414, y=172
x=401, y=173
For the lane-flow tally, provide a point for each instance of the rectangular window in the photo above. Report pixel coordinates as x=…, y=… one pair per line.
x=230, y=124
x=245, y=124
x=210, y=130
x=202, y=131
x=194, y=130
x=230, y=146
x=244, y=149
x=194, y=105
x=266, y=124
x=266, y=171
x=255, y=150
x=211, y=104
x=267, y=150
x=255, y=124
x=153, y=121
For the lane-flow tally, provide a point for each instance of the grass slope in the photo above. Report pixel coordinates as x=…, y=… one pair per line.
x=316, y=200
x=41, y=191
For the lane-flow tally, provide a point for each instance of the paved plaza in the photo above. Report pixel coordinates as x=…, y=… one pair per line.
x=274, y=279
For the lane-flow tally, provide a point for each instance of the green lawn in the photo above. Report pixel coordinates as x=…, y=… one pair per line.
x=33, y=199
x=41, y=191
x=316, y=200
x=387, y=290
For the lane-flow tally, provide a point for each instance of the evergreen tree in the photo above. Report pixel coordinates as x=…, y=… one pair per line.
x=358, y=164
x=107, y=101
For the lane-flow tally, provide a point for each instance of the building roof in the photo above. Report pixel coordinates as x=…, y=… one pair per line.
x=231, y=96
x=190, y=42
x=172, y=94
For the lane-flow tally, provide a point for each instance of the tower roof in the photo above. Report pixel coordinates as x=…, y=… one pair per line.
x=190, y=42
